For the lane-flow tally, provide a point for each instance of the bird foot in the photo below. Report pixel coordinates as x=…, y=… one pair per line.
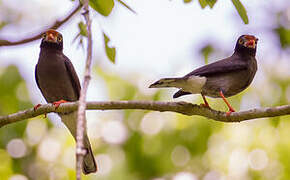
x=36, y=107
x=205, y=105
x=57, y=103
x=230, y=111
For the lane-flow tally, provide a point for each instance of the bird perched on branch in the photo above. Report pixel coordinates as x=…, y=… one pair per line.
x=224, y=78
x=58, y=82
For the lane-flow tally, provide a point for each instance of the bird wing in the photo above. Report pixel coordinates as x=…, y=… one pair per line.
x=36, y=77
x=223, y=66
x=180, y=93
x=73, y=76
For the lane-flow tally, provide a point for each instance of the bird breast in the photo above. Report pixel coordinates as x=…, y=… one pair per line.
x=54, y=79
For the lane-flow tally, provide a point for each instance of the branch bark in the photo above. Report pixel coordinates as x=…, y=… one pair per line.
x=55, y=25
x=178, y=107
x=81, y=120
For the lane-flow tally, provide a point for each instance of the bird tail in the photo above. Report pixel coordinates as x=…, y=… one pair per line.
x=166, y=82
x=89, y=163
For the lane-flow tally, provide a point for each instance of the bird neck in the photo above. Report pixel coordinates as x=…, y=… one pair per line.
x=50, y=52
x=244, y=51
x=51, y=46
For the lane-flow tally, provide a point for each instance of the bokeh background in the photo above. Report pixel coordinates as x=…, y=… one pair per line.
x=164, y=38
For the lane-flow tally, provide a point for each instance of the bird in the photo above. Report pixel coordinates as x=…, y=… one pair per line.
x=58, y=82
x=221, y=79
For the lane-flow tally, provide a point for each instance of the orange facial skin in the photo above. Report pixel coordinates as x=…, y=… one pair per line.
x=250, y=41
x=51, y=35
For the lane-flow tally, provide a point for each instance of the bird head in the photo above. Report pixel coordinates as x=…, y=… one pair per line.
x=52, y=39
x=246, y=44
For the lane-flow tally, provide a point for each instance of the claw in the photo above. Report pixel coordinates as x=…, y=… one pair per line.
x=57, y=103
x=230, y=111
x=36, y=107
x=205, y=105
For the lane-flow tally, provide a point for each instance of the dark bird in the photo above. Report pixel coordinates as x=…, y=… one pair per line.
x=223, y=78
x=58, y=82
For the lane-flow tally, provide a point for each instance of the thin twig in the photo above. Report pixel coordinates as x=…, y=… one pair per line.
x=57, y=24
x=81, y=121
x=178, y=107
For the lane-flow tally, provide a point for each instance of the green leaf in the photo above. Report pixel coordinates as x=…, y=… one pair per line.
x=211, y=3
x=202, y=3
x=241, y=10
x=128, y=7
x=187, y=1
x=206, y=51
x=83, y=29
x=103, y=7
x=111, y=52
x=2, y=24
x=284, y=36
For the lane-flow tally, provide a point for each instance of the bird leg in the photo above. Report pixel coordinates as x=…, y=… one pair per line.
x=231, y=109
x=205, y=104
x=57, y=103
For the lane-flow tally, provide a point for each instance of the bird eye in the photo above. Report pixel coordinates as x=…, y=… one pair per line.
x=43, y=35
x=241, y=41
x=59, y=38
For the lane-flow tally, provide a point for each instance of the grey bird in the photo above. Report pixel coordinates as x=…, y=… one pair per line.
x=58, y=82
x=223, y=78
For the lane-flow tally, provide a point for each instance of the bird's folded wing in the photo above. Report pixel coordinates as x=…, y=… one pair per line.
x=219, y=67
x=73, y=76
x=36, y=77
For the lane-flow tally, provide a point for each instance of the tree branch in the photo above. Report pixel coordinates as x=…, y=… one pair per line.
x=57, y=24
x=81, y=120
x=178, y=107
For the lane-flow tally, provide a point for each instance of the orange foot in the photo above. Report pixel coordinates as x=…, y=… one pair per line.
x=230, y=111
x=57, y=103
x=205, y=105
x=36, y=107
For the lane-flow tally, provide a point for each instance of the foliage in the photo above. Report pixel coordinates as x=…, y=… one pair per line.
x=241, y=10
x=284, y=36
x=110, y=51
x=206, y=51
x=103, y=7
x=237, y=3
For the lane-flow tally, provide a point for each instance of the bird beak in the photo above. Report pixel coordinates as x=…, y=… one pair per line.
x=251, y=43
x=50, y=37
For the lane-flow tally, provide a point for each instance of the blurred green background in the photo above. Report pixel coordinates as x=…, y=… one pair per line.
x=133, y=144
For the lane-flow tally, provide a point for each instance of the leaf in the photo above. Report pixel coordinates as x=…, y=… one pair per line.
x=2, y=24
x=241, y=10
x=187, y=1
x=83, y=29
x=111, y=52
x=128, y=7
x=284, y=36
x=103, y=7
x=206, y=51
x=202, y=3
x=211, y=3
